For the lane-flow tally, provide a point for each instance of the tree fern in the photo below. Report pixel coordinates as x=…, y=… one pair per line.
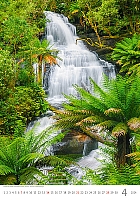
x=108, y=108
x=18, y=157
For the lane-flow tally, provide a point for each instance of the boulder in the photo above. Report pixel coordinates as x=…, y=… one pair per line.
x=75, y=143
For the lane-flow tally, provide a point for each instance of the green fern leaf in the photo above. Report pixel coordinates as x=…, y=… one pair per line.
x=5, y=170
x=120, y=130
x=106, y=125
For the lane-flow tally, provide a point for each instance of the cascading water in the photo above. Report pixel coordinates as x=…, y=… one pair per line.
x=76, y=66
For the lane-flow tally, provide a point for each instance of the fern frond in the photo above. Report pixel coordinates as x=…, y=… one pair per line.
x=64, y=113
x=114, y=113
x=30, y=176
x=56, y=161
x=5, y=170
x=124, y=66
x=29, y=158
x=91, y=120
x=118, y=92
x=91, y=99
x=133, y=100
x=69, y=121
x=39, y=142
x=107, y=125
x=77, y=104
x=53, y=140
x=136, y=155
x=3, y=156
x=134, y=124
x=119, y=130
x=134, y=67
x=127, y=54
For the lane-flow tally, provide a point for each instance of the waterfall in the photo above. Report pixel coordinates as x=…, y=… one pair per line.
x=77, y=64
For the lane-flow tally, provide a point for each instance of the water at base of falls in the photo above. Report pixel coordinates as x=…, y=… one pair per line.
x=77, y=64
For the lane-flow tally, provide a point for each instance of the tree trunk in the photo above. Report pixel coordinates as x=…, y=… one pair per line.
x=39, y=73
x=123, y=148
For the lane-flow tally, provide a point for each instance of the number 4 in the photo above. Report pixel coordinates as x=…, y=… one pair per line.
x=124, y=192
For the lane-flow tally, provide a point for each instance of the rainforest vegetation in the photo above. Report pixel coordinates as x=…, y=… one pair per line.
x=113, y=109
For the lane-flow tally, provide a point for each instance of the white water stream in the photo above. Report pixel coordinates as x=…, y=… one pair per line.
x=76, y=66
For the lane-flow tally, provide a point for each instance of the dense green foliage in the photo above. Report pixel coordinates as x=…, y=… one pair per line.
x=127, y=55
x=8, y=76
x=110, y=18
x=111, y=114
x=22, y=106
x=22, y=99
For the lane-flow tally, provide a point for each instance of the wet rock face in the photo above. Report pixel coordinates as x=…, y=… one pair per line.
x=75, y=143
x=92, y=39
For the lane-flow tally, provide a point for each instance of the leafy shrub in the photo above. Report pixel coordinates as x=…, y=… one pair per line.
x=8, y=70
x=25, y=76
x=20, y=108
